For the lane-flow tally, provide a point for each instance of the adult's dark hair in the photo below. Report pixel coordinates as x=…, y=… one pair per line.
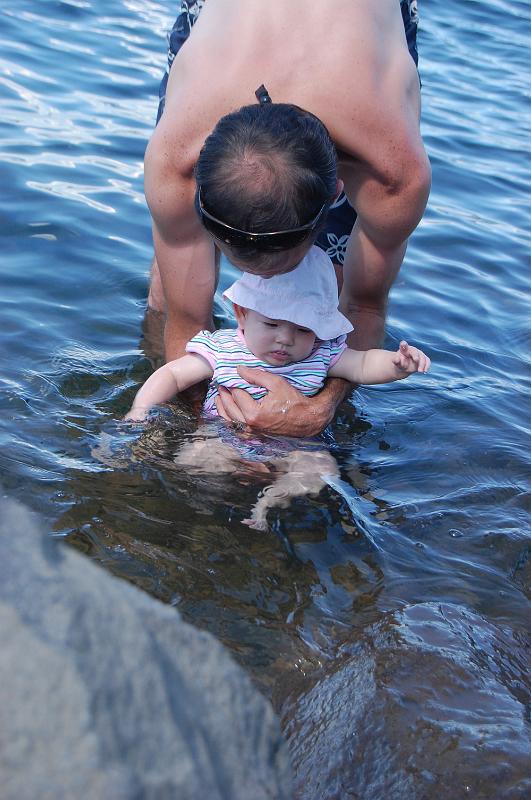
x=267, y=167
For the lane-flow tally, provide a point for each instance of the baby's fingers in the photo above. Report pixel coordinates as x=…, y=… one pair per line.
x=419, y=359
x=411, y=359
x=401, y=358
x=400, y=361
x=424, y=362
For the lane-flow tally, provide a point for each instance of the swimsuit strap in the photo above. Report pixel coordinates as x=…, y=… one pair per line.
x=262, y=95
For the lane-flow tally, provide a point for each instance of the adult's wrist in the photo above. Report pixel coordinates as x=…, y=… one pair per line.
x=327, y=401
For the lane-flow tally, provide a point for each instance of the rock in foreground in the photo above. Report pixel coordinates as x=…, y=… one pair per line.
x=107, y=693
x=428, y=703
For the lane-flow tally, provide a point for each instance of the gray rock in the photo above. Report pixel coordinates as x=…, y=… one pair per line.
x=107, y=693
x=429, y=703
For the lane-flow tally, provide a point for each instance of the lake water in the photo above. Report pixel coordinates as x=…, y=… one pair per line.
x=430, y=512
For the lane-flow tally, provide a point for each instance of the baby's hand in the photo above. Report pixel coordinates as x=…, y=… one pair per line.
x=410, y=359
x=136, y=415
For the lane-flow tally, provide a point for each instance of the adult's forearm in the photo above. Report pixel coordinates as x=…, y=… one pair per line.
x=369, y=326
x=319, y=410
x=177, y=333
x=333, y=393
x=369, y=272
x=187, y=276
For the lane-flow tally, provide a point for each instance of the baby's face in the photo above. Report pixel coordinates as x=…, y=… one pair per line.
x=275, y=341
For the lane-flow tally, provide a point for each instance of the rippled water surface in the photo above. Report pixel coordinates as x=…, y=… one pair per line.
x=417, y=554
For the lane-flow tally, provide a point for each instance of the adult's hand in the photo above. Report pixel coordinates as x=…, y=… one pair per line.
x=283, y=410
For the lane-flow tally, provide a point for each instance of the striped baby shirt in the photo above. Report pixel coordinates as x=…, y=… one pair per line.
x=225, y=350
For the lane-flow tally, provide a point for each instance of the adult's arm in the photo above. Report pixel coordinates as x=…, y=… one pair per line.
x=387, y=179
x=377, y=247
x=283, y=410
x=184, y=252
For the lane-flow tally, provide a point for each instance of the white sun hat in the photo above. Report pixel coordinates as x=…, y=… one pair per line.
x=306, y=296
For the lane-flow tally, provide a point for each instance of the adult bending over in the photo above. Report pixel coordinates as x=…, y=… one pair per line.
x=271, y=168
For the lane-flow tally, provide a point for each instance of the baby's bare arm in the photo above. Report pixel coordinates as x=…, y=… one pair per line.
x=380, y=366
x=166, y=382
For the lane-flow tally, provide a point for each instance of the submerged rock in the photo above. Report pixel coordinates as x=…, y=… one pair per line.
x=107, y=693
x=429, y=704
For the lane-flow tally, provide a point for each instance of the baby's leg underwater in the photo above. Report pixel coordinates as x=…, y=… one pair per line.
x=298, y=474
x=210, y=455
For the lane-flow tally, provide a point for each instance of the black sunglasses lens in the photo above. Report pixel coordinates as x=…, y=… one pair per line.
x=219, y=231
x=284, y=241
x=277, y=242
x=263, y=242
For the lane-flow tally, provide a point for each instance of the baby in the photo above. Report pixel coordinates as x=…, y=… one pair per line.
x=290, y=325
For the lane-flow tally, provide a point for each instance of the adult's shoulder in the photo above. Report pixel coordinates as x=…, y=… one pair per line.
x=169, y=183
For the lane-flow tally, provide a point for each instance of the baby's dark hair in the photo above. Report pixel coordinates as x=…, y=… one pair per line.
x=267, y=167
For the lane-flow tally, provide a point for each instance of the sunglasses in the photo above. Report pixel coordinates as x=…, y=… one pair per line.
x=266, y=242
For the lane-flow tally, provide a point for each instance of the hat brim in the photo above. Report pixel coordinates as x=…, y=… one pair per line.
x=336, y=324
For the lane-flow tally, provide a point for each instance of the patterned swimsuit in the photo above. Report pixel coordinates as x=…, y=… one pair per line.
x=225, y=351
